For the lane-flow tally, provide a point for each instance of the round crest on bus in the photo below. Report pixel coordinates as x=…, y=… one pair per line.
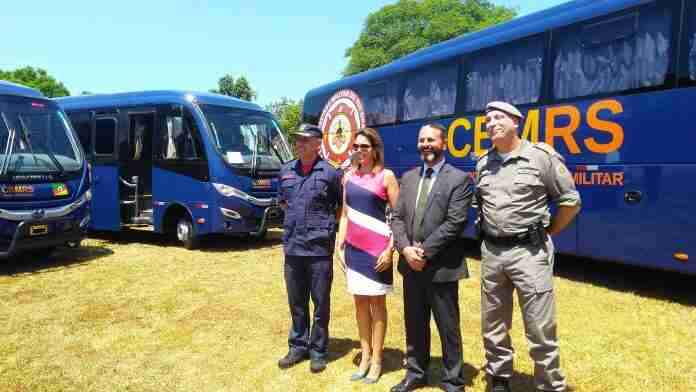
x=341, y=118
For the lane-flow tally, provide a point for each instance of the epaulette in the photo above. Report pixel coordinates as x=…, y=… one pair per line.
x=548, y=149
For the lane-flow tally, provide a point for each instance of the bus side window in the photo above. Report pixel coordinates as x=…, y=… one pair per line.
x=616, y=53
x=105, y=136
x=510, y=73
x=380, y=102
x=139, y=145
x=178, y=139
x=82, y=123
x=691, y=39
x=430, y=92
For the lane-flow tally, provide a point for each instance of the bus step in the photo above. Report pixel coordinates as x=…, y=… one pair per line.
x=145, y=218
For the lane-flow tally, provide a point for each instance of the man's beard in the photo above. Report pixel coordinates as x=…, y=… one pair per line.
x=430, y=155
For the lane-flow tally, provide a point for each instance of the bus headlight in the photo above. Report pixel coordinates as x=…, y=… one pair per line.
x=229, y=191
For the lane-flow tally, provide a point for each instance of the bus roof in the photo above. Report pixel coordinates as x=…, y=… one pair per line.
x=524, y=26
x=9, y=88
x=151, y=98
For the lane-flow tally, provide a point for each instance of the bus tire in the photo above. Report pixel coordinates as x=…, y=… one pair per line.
x=258, y=236
x=42, y=252
x=73, y=244
x=185, y=233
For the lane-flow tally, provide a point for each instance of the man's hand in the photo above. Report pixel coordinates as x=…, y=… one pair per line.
x=414, y=257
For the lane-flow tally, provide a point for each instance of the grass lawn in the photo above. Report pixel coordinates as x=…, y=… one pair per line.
x=140, y=314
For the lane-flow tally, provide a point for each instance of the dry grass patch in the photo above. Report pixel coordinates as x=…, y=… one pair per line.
x=141, y=314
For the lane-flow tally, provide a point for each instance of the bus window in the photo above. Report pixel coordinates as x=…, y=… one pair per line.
x=139, y=144
x=82, y=123
x=691, y=39
x=177, y=139
x=105, y=136
x=430, y=92
x=616, y=53
x=510, y=73
x=380, y=102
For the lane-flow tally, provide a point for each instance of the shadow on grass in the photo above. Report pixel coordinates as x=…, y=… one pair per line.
x=340, y=347
x=212, y=243
x=43, y=261
x=393, y=360
x=645, y=282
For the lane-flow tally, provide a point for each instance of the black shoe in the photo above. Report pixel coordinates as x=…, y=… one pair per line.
x=317, y=365
x=291, y=359
x=499, y=384
x=409, y=384
x=451, y=388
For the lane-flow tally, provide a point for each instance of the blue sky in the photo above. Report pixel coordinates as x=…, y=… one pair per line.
x=284, y=48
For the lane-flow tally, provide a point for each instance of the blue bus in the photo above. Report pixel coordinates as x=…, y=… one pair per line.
x=180, y=163
x=609, y=84
x=44, y=179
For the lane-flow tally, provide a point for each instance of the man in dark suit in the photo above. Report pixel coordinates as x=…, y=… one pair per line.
x=428, y=221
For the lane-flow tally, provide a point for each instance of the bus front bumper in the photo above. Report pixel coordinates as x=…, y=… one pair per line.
x=47, y=233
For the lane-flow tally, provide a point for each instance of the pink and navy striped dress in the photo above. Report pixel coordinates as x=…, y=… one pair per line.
x=367, y=233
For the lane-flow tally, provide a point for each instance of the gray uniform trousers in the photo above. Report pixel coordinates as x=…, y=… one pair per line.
x=529, y=270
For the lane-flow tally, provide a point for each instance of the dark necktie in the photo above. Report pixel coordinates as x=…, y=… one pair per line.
x=420, y=206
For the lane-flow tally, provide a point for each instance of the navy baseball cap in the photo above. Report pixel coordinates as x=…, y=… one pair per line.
x=309, y=130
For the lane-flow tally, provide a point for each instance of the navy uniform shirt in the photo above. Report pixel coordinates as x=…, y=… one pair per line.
x=312, y=202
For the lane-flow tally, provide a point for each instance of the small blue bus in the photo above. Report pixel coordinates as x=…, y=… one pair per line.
x=44, y=179
x=180, y=163
x=610, y=84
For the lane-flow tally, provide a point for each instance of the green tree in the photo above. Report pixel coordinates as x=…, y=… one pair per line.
x=239, y=88
x=36, y=78
x=402, y=28
x=288, y=112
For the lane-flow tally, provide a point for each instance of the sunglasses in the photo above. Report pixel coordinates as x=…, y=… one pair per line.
x=363, y=147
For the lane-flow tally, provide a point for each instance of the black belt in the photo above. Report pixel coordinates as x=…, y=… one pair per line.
x=509, y=241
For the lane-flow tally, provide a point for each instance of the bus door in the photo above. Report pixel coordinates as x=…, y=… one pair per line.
x=105, y=202
x=135, y=164
x=180, y=168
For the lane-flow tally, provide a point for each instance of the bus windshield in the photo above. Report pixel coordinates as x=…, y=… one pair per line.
x=247, y=138
x=35, y=138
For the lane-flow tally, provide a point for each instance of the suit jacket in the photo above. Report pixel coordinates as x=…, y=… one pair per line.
x=443, y=223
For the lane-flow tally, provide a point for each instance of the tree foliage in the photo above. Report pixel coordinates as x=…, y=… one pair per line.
x=36, y=78
x=239, y=88
x=402, y=28
x=288, y=112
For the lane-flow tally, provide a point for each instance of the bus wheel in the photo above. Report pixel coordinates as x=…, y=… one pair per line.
x=185, y=234
x=258, y=236
x=73, y=244
x=42, y=252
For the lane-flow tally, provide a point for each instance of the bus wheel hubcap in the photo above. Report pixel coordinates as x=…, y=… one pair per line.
x=182, y=231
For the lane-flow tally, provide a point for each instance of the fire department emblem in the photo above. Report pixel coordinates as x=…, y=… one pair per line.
x=341, y=118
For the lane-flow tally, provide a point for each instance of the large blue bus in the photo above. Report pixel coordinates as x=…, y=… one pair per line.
x=180, y=163
x=44, y=179
x=610, y=84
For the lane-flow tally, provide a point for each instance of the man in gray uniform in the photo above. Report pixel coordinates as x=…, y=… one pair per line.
x=515, y=181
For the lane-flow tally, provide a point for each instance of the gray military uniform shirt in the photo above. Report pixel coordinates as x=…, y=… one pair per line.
x=515, y=193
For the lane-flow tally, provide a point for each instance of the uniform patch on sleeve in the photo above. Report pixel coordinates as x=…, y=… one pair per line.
x=561, y=170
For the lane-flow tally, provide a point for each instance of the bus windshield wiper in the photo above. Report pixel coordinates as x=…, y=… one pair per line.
x=8, y=147
x=255, y=154
x=25, y=137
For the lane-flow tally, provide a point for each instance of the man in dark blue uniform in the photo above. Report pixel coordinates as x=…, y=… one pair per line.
x=310, y=192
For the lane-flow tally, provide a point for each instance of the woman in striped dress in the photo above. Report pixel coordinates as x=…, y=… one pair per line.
x=364, y=246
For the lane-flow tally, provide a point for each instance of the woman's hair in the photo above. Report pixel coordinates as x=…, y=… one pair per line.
x=377, y=147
